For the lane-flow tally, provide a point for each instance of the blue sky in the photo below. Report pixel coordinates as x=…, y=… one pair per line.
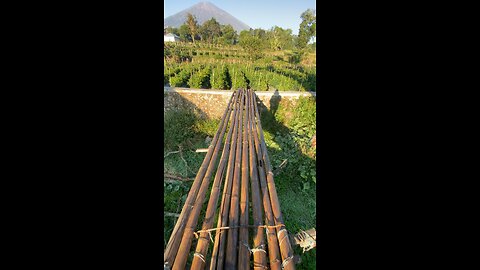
x=265, y=14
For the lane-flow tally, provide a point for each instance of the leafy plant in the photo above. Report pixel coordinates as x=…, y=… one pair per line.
x=219, y=78
x=181, y=78
x=200, y=79
x=178, y=126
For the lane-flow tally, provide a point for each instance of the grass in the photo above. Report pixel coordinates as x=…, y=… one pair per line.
x=297, y=194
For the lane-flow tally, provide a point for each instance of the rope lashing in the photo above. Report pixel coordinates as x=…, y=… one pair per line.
x=237, y=227
x=286, y=261
x=257, y=265
x=278, y=236
x=253, y=250
x=201, y=237
x=200, y=256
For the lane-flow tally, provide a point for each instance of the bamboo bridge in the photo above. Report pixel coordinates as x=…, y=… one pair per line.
x=249, y=231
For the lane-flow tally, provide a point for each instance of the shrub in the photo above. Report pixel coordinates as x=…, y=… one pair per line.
x=200, y=79
x=177, y=127
x=303, y=123
x=180, y=80
x=295, y=145
x=218, y=79
x=238, y=78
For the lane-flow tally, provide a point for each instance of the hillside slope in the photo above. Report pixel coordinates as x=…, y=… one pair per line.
x=204, y=11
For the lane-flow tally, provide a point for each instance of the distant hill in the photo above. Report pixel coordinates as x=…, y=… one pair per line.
x=204, y=11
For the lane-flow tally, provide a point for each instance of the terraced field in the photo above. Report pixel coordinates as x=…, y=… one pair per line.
x=221, y=67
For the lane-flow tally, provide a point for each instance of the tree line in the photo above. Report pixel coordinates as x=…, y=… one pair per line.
x=254, y=40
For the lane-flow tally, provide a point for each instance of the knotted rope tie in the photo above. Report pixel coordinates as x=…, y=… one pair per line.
x=253, y=250
x=209, y=233
x=286, y=261
x=278, y=236
x=200, y=256
x=237, y=227
x=257, y=265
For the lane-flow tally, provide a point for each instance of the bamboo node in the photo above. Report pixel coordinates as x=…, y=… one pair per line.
x=275, y=261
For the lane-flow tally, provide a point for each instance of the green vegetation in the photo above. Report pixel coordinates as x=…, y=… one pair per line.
x=288, y=128
x=221, y=74
x=180, y=79
x=200, y=79
x=220, y=78
x=260, y=59
x=308, y=28
x=215, y=56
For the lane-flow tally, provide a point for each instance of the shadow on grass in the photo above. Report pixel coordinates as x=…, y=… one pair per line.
x=185, y=124
x=297, y=195
x=185, y=129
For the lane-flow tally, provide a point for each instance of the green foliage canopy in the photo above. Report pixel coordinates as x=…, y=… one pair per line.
x=307, y=29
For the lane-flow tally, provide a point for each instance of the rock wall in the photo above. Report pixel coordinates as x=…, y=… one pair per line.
x=212, y=103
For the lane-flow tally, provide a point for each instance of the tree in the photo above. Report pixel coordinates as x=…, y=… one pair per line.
x=210, y=30
x=260, y=33
x=274, y=38
x=279, y=38
x=184, y=33
x=192, y=25
x=228, y=34
x=250, y=43
x=172, y=30
x=308, y=28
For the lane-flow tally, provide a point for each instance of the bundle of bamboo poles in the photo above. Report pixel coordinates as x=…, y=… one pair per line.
x=245, y=172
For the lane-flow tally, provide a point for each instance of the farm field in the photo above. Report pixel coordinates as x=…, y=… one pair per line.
x=208, y=47
x=210, y=66
x=288, y=131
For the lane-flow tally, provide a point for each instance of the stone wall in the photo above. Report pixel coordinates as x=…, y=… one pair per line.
x=212, y=103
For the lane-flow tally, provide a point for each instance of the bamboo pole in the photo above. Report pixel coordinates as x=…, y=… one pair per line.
x=203, y=241
x=243, y=247
x=273, y=248
x=232, y=240
x=186, y=242
x=177, y=232
x=259, y=258
x=231, y=248
x=220, y=236
x=282, y=234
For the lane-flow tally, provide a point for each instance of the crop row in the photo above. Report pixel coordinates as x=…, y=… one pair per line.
x=203, y=46
x=233, y=76
x=184, y=53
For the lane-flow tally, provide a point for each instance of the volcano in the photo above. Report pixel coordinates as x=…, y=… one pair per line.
x=204, y=11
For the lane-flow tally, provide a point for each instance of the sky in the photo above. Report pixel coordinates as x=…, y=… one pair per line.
x=265, y=14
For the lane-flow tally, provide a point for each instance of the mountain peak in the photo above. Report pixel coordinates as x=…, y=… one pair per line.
x=204, y=11
x=205, y=3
